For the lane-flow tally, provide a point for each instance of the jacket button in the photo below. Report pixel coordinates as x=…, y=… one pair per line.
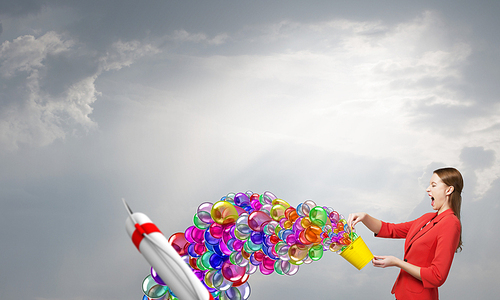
x=406, y=260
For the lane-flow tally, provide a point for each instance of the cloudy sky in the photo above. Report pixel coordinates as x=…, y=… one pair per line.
x=169, y=104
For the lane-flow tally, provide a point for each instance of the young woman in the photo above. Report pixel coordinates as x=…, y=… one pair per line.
x=431, y=240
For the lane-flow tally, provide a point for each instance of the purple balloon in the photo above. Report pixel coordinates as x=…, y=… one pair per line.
x=156, y=277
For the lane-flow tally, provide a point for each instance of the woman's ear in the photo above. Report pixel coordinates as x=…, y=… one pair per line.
x=450, y=190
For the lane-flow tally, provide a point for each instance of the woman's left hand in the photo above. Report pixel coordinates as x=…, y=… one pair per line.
x=385, y=261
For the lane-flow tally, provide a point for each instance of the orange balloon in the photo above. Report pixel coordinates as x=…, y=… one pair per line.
x=288, y=211
x=245, y=254
x=313, y=233
x=192, y=263
x=293, y=216
x=305, y=222
x=303, y=239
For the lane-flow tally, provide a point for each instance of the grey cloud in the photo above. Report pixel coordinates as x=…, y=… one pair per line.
x=482, y=75
x=480, y=223
x=20, y=7
x=477, y=157
x=442, y=117
x=58, y=76
x=32, y=115
x=63, y=199
x=424, y=206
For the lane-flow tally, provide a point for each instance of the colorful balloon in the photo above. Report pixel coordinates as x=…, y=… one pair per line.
x=152, y=289
x=223, y=212
x=156, y=277
x=245, y=232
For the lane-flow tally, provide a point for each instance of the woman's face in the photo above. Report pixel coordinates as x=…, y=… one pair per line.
x=439, y=193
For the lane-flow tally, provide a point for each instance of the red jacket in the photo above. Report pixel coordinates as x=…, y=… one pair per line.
x=432, y=248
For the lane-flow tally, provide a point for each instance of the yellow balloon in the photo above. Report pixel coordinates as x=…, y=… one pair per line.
x=224, y=213
x=296, y=262
x=278, y=212
x=298, y=252
x=281, y=202
x=305, y=222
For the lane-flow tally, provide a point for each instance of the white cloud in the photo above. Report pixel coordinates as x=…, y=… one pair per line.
x=123, y=54
x=362, y=88
x=346, y=113
x=27, y=53
x=358, y=77
x=34, y=115
x=184, y=36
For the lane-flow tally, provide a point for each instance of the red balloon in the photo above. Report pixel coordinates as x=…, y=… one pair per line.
x=179, y=242
x=242, y=280
x=257, y=220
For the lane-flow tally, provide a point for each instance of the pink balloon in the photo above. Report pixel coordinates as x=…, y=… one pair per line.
x=199, y=248
x=268, y=262
x=231, y=272
x=226, y=234
x=256, y=205
x=197, y=235
x=225, y=249
x=264, y=270
x=334, y=217
x=189, y=233
x=291, y=239
x=216, y=230
x=238, y=245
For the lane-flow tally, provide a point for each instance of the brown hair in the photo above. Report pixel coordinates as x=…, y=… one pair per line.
x=452, y=177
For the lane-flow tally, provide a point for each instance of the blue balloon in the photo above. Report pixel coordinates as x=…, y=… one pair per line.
x=216, y=261
x=257, y=237
x=210, y=239
x=192, y=252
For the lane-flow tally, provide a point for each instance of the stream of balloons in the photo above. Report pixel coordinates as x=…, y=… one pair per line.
x=245, y=232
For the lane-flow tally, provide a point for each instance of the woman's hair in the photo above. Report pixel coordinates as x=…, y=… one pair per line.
x=452, y=177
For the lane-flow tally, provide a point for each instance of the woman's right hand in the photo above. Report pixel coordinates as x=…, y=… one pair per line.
x=355, y=218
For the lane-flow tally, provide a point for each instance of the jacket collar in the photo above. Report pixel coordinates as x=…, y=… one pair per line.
x=442, y=215
x=428, y=223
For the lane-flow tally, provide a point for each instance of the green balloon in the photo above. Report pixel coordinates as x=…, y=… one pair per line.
x=199, y=223
x=318, y=215
x=205, y=260
x=316, y=252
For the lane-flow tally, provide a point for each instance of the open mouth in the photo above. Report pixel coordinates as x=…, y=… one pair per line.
x=432, y=201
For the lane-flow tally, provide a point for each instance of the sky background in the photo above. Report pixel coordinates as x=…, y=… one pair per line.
x=169, y=104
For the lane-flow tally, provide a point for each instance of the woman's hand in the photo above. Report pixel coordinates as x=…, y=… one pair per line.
x=386, y=261
x=355, y=218
x=370, y=222
x=391, y=261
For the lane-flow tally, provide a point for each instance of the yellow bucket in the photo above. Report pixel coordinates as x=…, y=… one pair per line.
x=357, y=253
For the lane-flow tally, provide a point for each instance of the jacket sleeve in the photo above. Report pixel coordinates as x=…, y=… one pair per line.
x=447, y=242
x=394, y=231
